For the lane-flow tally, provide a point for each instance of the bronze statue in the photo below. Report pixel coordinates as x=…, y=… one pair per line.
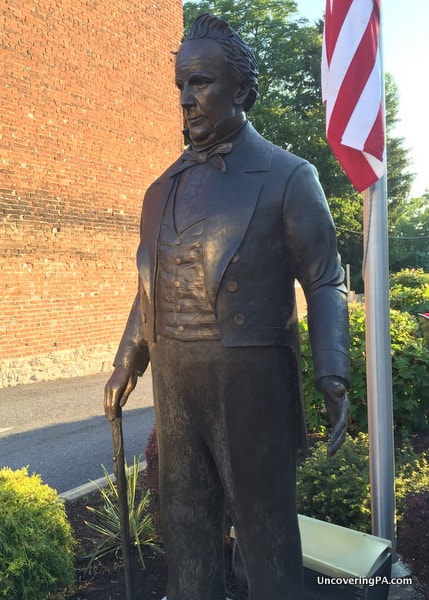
x=224, y=233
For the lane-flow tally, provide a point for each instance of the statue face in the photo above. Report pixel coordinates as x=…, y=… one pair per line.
x=209, y=92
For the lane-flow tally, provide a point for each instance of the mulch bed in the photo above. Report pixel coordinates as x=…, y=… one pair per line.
x=106, y=580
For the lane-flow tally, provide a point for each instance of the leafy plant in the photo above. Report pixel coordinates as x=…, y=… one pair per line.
x=409, y=291
x=410, y=383
x=36, y=541
x=412, y=476
x=107, y=525
x=337, y=489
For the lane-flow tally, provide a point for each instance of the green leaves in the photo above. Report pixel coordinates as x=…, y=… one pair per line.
x=409, y=290
x=106, y=524
x=36, y=541
x=337, y=489
x=410, y=368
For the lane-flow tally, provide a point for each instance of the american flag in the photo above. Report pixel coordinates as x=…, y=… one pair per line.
x=352, y=87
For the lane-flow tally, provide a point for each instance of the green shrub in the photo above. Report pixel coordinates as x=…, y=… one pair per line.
x=337, y=489
x=36, y=541
x=409, y=291
x=107, y=524
x=412, y=476
x=410, y=381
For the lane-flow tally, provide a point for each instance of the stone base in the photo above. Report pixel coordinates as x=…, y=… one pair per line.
x=59, y=364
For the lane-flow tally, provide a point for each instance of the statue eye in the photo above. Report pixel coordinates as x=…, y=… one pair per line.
x=198, y=82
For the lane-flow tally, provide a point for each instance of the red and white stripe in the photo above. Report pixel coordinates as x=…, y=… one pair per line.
x=352, y=87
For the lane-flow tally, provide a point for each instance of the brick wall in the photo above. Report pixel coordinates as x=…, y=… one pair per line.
x=89, y=118
x=301, y=301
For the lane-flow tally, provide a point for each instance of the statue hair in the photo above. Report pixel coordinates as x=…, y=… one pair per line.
x=238, y=55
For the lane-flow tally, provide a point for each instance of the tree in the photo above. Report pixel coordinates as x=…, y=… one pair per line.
x=290, y=112
x=409, y=235
x=399, y=179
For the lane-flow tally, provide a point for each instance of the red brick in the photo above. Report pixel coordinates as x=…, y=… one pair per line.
x=89, y=119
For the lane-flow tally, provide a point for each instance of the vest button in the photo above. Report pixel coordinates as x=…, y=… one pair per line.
x=180, y=329
x=232, y=286
x=240, y=319
x=177, y=284
x=178, y=308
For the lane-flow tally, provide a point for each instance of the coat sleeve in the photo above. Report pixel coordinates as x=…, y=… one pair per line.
x=133, y=350
x=312, y=248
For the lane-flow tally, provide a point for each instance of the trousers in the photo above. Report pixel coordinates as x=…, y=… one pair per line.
x=227, y=437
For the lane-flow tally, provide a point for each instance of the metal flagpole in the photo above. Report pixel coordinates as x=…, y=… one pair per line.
x=378, y=362
x=378, y=356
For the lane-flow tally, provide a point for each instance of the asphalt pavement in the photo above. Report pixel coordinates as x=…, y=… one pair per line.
x=58, y=428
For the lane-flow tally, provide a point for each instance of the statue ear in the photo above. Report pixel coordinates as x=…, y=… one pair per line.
x=241, y=94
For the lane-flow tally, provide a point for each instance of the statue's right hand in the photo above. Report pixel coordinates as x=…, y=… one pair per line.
x=120, y=385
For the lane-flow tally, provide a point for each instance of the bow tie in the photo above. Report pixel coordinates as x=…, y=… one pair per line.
x=214, y=155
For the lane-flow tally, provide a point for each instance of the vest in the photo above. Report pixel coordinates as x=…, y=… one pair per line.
x=183, y=309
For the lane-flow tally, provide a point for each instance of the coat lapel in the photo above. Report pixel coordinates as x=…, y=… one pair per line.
x=232, y=202
x=230, y=209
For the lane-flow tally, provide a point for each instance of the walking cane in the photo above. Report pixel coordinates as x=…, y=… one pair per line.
x=124, y=517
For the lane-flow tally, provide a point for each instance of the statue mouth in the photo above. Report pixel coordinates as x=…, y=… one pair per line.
x=196, y=120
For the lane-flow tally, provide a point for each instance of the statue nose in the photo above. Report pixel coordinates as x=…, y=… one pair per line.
x=186, y=97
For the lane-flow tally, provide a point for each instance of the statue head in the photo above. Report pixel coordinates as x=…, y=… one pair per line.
x=238, y=55
x=216, y=74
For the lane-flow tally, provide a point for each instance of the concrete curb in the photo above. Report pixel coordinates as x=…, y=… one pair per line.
x=92, y=486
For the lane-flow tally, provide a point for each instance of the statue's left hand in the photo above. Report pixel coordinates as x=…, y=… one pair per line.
x=337, y=404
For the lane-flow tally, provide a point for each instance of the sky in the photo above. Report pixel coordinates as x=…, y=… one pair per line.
x=405, y=46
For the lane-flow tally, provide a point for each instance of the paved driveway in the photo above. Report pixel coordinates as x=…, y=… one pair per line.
x=58, y=428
